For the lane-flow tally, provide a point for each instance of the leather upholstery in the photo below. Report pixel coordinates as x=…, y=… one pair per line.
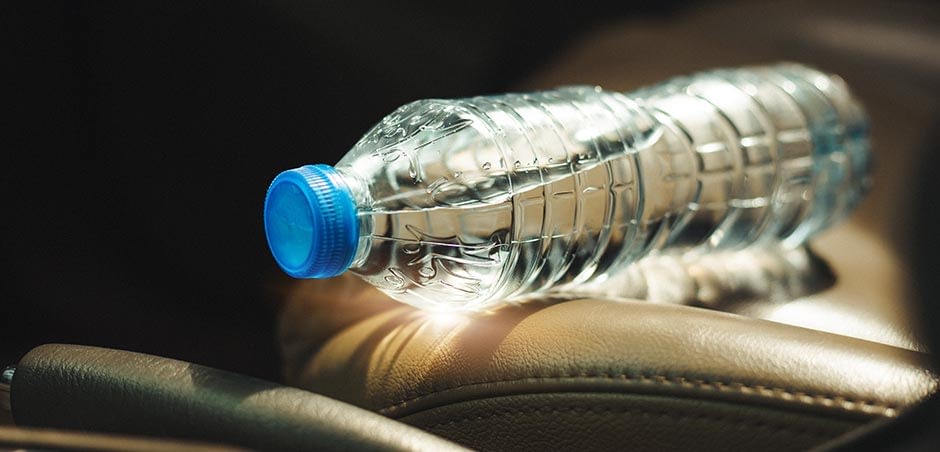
x=600, y=373
x=102, y=390
x=595, y=373
x=14, y=438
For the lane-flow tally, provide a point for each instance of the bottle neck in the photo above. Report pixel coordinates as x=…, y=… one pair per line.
x=359, y=192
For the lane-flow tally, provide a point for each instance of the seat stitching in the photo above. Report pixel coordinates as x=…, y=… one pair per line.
x=632, y=411
x=778, y=393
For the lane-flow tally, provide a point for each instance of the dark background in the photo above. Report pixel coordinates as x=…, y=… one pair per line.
x=144, y=134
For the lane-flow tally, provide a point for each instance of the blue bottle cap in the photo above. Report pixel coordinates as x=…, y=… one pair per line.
x=310, y=222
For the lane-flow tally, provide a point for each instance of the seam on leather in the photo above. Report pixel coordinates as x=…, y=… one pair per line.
x=672, y=415
x=762, y=391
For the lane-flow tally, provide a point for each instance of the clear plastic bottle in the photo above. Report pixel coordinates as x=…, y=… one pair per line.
x=462, y=204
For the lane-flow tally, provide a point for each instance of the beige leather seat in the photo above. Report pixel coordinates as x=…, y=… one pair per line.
x=600, y=374
x=597, y=373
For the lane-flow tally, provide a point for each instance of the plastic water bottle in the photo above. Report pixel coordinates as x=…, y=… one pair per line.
x=463, y=204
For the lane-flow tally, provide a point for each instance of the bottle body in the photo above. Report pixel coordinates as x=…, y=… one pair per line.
x=465, y=203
